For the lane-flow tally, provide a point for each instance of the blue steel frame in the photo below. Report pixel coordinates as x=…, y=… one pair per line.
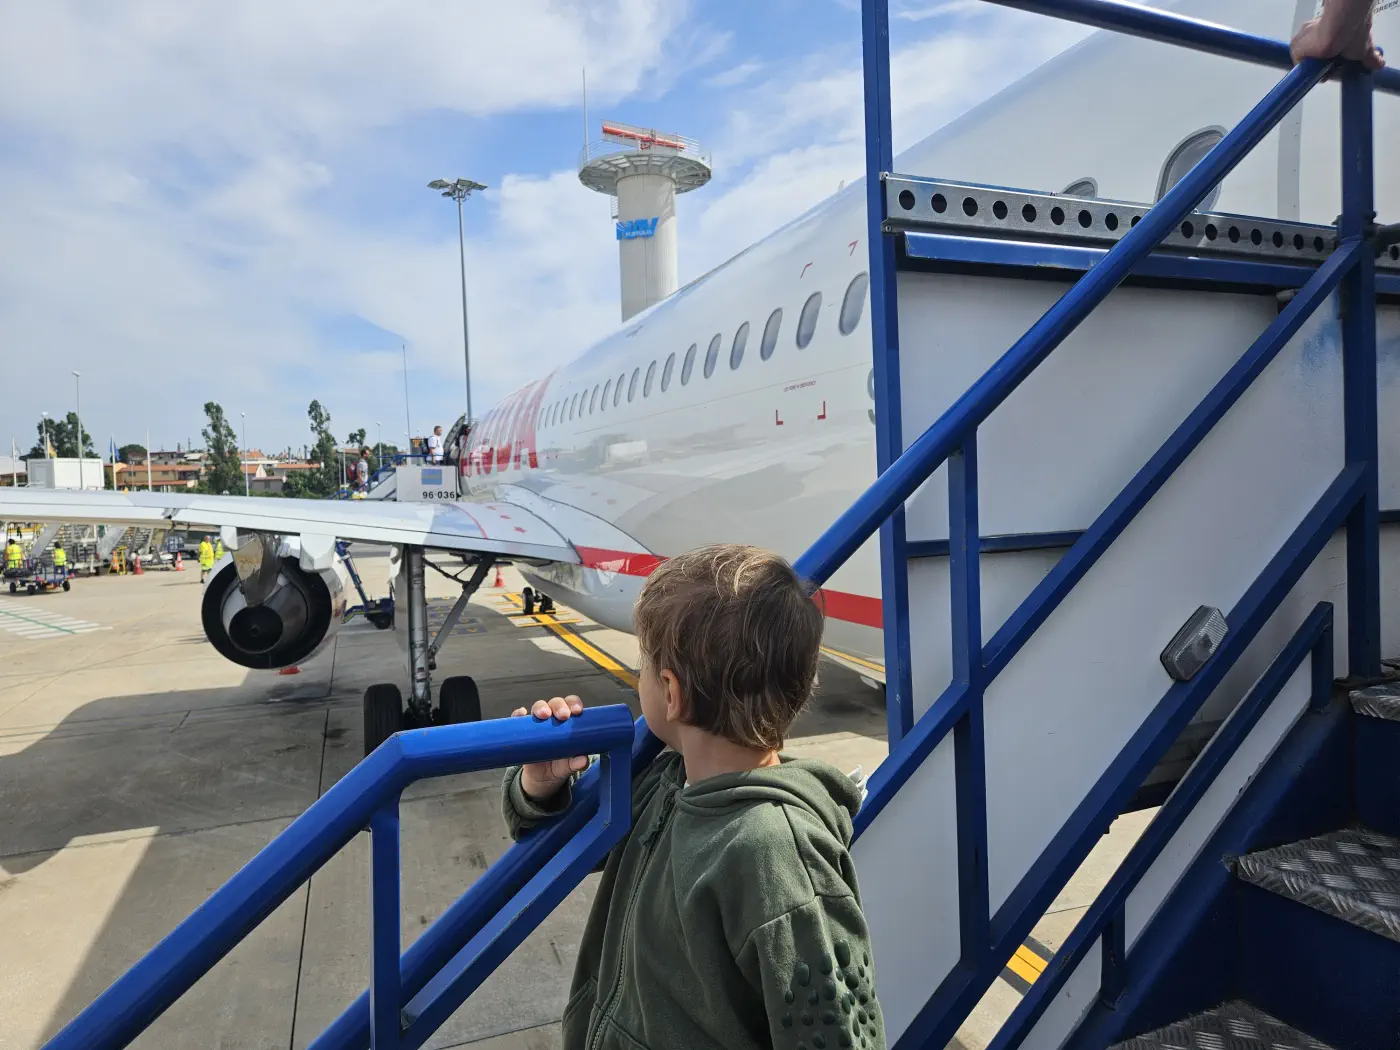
x=508, y=901
x=987, y=940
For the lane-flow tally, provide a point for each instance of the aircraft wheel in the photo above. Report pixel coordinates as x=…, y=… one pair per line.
x=546, y=604
x=383, y=710
x=459, y=700
x=67, y=586
x=529, y=595
x=381, y=620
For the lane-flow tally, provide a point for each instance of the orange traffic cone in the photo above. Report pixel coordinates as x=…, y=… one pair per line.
x=290, y=670
x=500, y=580
x=137, y=570
x=179, y=564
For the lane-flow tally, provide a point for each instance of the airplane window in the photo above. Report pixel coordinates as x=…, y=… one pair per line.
x=573, y=404
x=711, y=355
x=666, y=372
x=853, y=305
x=807, y=319
x=593, y=399
x=689, y=365
x=770, y=334
x=741, y=340
x=632, y=386
x=1081, y=188
x=651, y=376
x=607, y=389
x=617, y=393
x=1185, y=157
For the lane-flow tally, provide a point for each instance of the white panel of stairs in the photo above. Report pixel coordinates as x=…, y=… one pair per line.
x=1093, y=666
x=1006, y=580
x=1185, y=845
x=907, y=862
x=1065, y=443
x=1388, y=380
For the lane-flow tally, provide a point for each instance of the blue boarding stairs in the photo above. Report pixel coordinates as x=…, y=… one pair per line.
x=1261, y=906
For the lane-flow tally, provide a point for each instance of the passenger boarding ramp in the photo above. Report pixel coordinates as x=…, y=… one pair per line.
x=1208, y=402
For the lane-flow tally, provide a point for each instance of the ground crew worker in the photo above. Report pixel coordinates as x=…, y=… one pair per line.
x=206, y=558
x=60, y=559
x=14, y=557
x=218, y=548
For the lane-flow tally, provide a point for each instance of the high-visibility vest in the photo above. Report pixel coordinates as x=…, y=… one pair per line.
x=206, y=555
x=60, y=557
x=13, y=556
x=218, y=550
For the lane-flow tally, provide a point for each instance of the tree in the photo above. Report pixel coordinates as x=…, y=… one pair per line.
x=313, y=484
x=223, y=469
x=132, y=453
x=357, y=438
x=63, y=436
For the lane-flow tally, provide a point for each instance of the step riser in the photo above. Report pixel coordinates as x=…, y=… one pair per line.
x=1378, y=773
x=1323, y=975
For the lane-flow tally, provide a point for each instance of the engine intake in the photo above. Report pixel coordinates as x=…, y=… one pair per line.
x=291, y=625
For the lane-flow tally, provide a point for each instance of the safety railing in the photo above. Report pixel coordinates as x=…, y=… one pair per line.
x=988, y=939
x=409, y=997
x=1105, y=919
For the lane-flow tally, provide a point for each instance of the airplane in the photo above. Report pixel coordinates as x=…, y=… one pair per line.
x=741, y=407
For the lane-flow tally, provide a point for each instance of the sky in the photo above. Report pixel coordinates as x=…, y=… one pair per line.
x=206, y=201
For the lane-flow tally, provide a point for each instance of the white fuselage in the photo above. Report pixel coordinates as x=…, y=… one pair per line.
x=770, y=449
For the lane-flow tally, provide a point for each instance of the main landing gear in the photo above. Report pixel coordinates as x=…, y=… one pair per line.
x=385, y=711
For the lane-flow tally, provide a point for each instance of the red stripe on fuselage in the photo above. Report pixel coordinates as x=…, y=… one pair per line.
x=839, y=605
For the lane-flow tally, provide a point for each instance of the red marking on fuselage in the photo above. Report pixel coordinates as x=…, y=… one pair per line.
x=822, y=413
x=853, y=247
x=838, y=605
x=777, y=421
x=804, y=271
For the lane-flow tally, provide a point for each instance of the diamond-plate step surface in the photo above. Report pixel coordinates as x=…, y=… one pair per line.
x=1378, y=701
x=1353, y=875
x=1234, y=1025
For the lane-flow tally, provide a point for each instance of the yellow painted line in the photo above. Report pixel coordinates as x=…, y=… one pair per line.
x=586, y=649
x=1021, y=969
x=854, y=659
x=1030, y=959
x=541, y=619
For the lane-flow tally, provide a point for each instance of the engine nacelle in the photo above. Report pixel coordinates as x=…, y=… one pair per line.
x=291, y=625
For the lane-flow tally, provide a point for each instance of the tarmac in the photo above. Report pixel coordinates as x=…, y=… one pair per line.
x=139, y=770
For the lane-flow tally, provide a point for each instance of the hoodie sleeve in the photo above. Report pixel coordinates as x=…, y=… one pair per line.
x=812, y=966
x=523, y=813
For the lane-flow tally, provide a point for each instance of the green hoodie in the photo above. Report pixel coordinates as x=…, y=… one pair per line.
x=728, y=917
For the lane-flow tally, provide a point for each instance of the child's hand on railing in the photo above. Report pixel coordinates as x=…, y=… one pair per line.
x=541, y=780
x=1343, y=30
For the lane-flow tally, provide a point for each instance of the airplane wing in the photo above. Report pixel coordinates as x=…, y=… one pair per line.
x=486, y=528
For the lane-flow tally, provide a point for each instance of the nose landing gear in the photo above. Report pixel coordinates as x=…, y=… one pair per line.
x=532, y=597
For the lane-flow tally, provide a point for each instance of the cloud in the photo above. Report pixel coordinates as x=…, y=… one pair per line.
x=200, y=199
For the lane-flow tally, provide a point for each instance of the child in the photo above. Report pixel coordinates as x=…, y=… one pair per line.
x=729, y=917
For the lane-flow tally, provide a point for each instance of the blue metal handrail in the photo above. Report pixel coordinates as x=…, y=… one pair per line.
x=1105, y=917
x=509, y=899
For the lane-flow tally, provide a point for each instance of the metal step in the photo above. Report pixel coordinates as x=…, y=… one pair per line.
x=1235, y=1025
x=1353, y=875
x=1378, y=701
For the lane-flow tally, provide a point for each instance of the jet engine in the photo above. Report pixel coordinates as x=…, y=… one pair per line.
x=264, y=607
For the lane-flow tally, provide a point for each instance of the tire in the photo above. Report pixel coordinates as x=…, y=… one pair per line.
x=459, y=701
x=383, y=710
x=529, y=595
x=67, y=586
x=29, y=588
x=546, y=604
x=381, y=620
x=13, y=587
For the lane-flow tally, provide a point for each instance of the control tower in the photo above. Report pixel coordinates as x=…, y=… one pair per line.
x=643, y=170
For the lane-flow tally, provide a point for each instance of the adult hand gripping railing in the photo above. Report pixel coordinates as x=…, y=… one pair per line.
x=1105, y=918
x=410, y=995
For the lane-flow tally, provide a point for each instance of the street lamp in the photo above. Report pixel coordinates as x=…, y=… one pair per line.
x=379, y=447
x=48, y=444
x=459, y=190
x=78, y=387
x=241, y=465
